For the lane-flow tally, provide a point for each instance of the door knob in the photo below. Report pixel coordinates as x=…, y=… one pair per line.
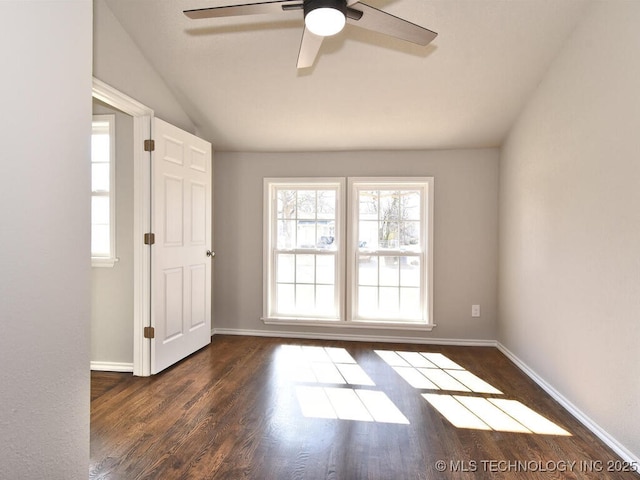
x=210, y=253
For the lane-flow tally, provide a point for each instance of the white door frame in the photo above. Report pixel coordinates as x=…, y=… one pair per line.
x=142, y=120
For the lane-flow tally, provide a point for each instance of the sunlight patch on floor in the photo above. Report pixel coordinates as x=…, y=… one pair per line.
x=497, y=414
x=414, y=378
x=491, y=415
x=348, y=404
x=434, y=371
x=337, y=371
x=455, y=412
x=354, y=375
x=437, y=372
x=475, y=384
x=530, y=419
x=327, y=365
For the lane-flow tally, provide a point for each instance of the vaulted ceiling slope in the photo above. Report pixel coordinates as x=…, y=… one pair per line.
x=236, y=77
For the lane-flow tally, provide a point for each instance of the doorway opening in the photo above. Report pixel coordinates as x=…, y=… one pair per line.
x=142, y=119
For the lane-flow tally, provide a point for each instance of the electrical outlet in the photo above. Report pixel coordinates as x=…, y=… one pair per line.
x=475, y=311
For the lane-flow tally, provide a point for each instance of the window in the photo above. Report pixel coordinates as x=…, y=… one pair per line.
x=386, y=242
x=302, y=249
x=390, y=254
x=103, y=191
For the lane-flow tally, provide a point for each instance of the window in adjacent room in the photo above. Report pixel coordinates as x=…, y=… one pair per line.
x=373, y=269
x=103, y=191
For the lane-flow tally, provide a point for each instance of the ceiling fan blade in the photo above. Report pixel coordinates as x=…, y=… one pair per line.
x=383, y=22
x=309, y=48
x=274, y=6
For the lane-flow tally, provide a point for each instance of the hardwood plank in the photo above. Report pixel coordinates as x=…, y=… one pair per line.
x=232, y=411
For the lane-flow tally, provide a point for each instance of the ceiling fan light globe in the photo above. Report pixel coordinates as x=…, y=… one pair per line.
x=325, y=21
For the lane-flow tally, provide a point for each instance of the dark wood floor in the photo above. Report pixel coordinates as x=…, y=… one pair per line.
x=234, y=410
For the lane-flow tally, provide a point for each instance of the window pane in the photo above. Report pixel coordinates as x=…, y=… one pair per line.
x=286, y=204
x=102, y=200
x=100, y=148
x=285, y=299
x=410, y=235
x=305, y=268
x=368, y=301
x=410, y=205
x=368, y=205
x=307, y=204
x=410, y=272
x=388, y=235
x=305, y=300
x=100, y=210
x=368, y=234
x=389, y=219
x=325, y=270
x=286, y=234
x=100, y=177
x=100, y=240
x=326, y=231
x=326, y=204
x=368, y=270
x=410, y=303
x=285, y=268
x=325, y=300
x=389, y=303
x=306, y=234
x=389, y=271
x=389, y=206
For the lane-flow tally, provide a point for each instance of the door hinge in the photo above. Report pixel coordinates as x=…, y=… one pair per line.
x=149, y=332
x=149, y=145
x=149, y=238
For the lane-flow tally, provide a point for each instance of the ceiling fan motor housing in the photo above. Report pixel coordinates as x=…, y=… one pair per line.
x=310, y=5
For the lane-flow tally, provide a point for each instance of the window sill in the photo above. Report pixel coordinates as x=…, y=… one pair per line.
x=104, y=262
x=351, y=324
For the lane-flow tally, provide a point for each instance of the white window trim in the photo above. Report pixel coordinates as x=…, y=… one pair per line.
x=109, y=261
x=426, y=220
x=269, y=239
x=348, y=251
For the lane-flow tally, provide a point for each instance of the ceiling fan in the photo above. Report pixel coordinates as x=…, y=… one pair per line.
x=323, y=18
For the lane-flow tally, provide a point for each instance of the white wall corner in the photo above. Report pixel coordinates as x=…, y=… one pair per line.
x=598, y=431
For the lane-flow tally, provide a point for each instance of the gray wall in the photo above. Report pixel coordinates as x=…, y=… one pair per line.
x=118, y=62
x=570, y=224
x=112, y=288
x=465, y=240
x=45, y=130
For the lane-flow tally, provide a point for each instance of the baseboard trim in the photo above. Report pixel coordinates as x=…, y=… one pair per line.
x=112, y=367
x=354, y=337
x=598, y=431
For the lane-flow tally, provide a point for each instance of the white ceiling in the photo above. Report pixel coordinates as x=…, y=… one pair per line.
x=237, y=78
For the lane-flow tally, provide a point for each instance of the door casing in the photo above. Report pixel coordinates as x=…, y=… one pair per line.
x=142, y=130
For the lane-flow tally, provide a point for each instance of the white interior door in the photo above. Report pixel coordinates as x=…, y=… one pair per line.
x=180, y=255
